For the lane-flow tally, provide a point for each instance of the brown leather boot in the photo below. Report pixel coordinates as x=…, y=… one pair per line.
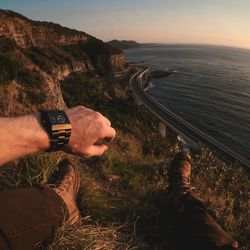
x=194, y=227
x=179, y=174
x=66, y=183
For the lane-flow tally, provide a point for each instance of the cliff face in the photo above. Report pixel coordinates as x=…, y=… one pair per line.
x=27, y=33
x=36, y=56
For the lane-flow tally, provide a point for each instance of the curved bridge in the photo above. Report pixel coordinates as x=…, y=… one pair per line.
x=180, y=126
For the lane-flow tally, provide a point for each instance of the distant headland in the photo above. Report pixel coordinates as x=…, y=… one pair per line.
x=124, y=44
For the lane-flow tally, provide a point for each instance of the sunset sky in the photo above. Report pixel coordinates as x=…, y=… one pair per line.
x=222, y=22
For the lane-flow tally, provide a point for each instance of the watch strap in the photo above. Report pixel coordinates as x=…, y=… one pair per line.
x=58, y=139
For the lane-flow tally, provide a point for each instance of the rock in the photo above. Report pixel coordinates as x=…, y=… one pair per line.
x=160, y=73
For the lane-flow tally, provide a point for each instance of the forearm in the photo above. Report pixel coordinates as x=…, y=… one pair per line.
x=24, y=135
x=21, y=136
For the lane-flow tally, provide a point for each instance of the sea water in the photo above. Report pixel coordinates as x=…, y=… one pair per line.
x=209, y=87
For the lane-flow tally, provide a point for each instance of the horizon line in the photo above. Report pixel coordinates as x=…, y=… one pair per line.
x=183, y=43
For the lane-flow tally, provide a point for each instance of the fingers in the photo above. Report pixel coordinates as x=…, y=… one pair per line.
x=108, y=133
x=89, y=129
x=106, y=121
x=97, y=150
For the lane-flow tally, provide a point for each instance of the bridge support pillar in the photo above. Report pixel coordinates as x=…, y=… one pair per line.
x=145, y=78
x=162, y=129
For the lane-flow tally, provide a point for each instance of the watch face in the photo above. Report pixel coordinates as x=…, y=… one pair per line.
x=52, y=119
x=61, y=119
x=56, y=117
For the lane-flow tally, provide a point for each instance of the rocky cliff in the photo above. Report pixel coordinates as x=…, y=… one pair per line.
x=36, y=56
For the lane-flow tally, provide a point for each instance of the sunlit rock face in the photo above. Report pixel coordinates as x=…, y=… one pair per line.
x=36, y=56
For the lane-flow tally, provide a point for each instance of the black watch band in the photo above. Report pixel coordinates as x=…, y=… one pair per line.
x=58, y=127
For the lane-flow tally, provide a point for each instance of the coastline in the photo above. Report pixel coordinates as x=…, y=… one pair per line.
x=193, y=93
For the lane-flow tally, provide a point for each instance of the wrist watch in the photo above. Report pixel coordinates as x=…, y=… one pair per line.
x=58, y=127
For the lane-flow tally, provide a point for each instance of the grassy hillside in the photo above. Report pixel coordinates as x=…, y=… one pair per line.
x=123, y=196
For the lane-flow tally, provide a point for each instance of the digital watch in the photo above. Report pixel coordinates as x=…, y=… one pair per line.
x=58, y=127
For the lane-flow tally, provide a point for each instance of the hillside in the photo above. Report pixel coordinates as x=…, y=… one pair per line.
x=35, y=56
x=124, y=44
x=123, y=194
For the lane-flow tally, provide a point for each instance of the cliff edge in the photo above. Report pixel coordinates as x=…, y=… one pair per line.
x=35, y=56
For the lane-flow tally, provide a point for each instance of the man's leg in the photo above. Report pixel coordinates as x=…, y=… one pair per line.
x=30, y=216
x=194, y=228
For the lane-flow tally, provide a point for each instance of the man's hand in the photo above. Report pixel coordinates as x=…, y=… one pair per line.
x=88, y=127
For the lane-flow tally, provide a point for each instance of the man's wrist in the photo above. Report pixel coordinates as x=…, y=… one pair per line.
x=41, y=135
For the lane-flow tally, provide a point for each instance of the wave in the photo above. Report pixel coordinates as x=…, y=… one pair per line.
x=149, y=86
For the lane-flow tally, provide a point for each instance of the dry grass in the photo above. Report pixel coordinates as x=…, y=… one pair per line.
x=226, y=191
x=90, y=236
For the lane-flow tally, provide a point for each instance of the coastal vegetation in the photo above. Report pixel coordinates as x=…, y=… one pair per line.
x=14, y=70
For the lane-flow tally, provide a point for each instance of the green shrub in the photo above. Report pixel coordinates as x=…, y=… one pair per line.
x=6, y=45
x=80, y=89
x=29, y=78
x=52, y=57
x=8, y=69
x=36, y=96
x=29, y=171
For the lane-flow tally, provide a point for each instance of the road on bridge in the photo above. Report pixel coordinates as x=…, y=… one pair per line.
x=180, y=126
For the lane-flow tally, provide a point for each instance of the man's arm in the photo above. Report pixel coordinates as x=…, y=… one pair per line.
x=24, y=135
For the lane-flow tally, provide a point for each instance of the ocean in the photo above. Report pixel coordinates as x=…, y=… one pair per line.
x=209, y=88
